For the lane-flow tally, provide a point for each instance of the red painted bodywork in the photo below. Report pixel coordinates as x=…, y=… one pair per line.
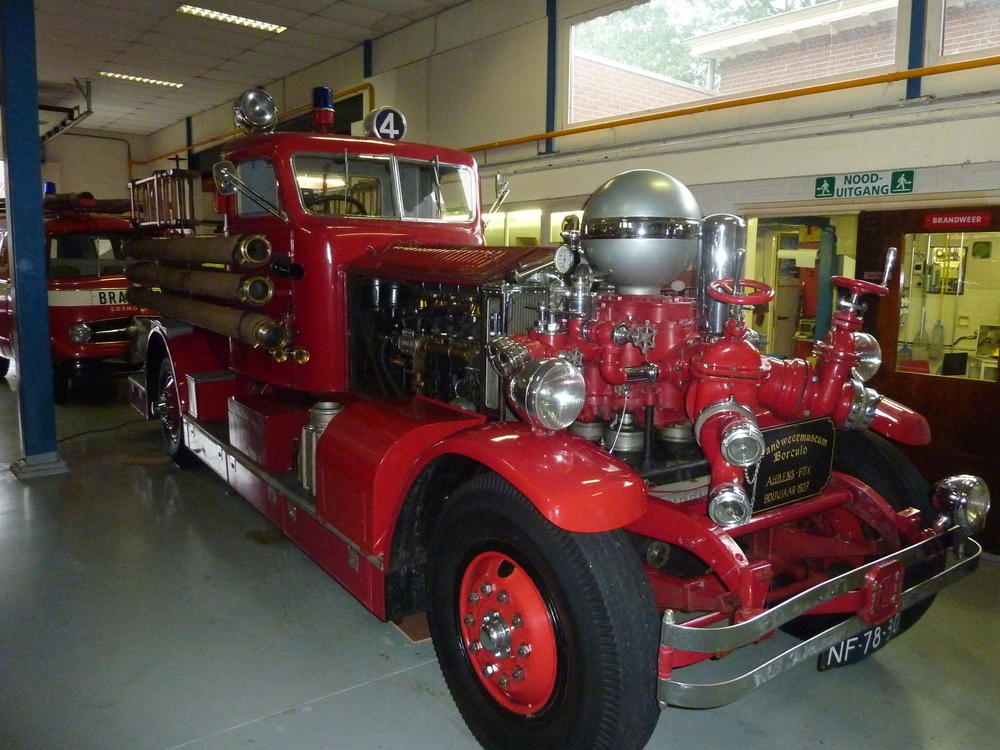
x=324, y=247
x=378, y=463
x=373, y=473
x=574, y=484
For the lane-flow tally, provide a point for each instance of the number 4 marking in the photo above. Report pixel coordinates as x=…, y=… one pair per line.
x=387, y=127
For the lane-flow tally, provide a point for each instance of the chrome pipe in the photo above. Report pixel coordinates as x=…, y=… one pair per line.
x=722, y=255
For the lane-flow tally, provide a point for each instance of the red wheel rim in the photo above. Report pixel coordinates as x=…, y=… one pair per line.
x=507, y=633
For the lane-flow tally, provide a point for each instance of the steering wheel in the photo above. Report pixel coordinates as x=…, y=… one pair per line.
x=859, y=286
x=327, y=199
x=724, y=290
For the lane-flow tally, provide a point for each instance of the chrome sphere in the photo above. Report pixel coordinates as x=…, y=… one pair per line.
x=641, y=228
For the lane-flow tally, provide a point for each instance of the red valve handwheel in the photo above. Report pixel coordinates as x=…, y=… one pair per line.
x=859, y=286
x=723, y=290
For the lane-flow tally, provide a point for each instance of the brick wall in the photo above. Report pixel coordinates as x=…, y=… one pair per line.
x=972, y=26
x=789, y=64
x=604, y=89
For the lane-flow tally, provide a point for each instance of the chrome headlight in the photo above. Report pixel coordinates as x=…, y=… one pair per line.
x=507, y=356
x=547, y=393
x=79, y=333
x=965, y=498
x=867, y=347
x=728, y=505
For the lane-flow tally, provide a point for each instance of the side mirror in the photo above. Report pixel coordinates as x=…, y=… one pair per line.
x=503, y=190
x=223, y=173
x=227, y=183
x=502, y=187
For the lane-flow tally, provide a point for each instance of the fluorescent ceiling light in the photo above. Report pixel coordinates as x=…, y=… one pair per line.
x=140, y=79
x=215, y=15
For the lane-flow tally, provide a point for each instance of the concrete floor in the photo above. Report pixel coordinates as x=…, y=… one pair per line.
x=145, y=606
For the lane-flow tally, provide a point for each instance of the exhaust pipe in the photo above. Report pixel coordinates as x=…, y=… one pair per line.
x=253, y=328
x=246, y=289
x=723, y=252
x=244, y=250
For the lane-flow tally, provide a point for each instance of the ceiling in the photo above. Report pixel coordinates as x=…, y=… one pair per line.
x=216, y=61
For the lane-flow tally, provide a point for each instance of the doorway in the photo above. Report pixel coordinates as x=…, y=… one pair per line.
x=939, y=327
x=797, y=256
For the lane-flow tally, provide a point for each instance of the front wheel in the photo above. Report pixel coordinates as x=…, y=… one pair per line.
x=546, y=638
x=883, y=467
x=168, y=408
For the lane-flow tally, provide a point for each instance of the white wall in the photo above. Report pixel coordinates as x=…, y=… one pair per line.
x=97, y=162
x=476, y=74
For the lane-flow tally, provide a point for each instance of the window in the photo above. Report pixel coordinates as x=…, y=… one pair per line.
x=522, y=228
x=83, y=254
x=949, y=319
x=970, y=25
x=362, y=185
x=435, y=191
x=345, y=186
x=258, y=174
x=669, y=52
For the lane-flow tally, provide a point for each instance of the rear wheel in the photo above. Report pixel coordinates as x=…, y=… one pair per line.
x=61, y=383
x=546, y=638
x=168, y=408
x=4, y=367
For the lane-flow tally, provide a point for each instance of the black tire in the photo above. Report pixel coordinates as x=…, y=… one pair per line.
x=883, y=467
x=168, y=407
x=589, y=679
x=61, y=383
x=4, y=367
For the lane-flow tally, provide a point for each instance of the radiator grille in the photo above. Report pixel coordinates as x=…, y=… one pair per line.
x=507, y=311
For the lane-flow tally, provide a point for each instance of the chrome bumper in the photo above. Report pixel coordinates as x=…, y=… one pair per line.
x=963, y=554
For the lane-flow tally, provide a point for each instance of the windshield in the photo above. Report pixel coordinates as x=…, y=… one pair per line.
x=87, y=254
x=355, y=186
x=361, y=185
x=435, y=191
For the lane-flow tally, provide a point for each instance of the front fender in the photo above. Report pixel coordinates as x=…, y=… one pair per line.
x=189, y=352
x=573, y=483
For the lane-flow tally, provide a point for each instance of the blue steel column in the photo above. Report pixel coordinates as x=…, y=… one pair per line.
x=551, y=68
x=915, y=46
x=825, y=293
x=22, y=152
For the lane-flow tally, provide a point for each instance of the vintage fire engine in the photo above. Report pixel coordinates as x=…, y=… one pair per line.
x=93, y=328
x=585, y=472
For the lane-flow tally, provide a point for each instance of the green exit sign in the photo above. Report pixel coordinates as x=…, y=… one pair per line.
x=864, y=184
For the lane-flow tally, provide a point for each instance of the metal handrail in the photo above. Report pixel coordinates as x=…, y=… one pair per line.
x=774, y=96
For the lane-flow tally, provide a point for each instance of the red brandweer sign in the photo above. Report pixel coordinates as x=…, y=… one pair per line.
x=957, y=221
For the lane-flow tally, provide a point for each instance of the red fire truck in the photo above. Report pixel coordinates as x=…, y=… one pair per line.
x=93, y=328
x=584, y=471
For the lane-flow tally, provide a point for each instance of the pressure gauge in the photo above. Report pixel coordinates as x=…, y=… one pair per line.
x=564, y=259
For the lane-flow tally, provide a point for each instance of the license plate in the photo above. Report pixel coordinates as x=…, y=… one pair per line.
x=108, y=297
x=857, y=647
